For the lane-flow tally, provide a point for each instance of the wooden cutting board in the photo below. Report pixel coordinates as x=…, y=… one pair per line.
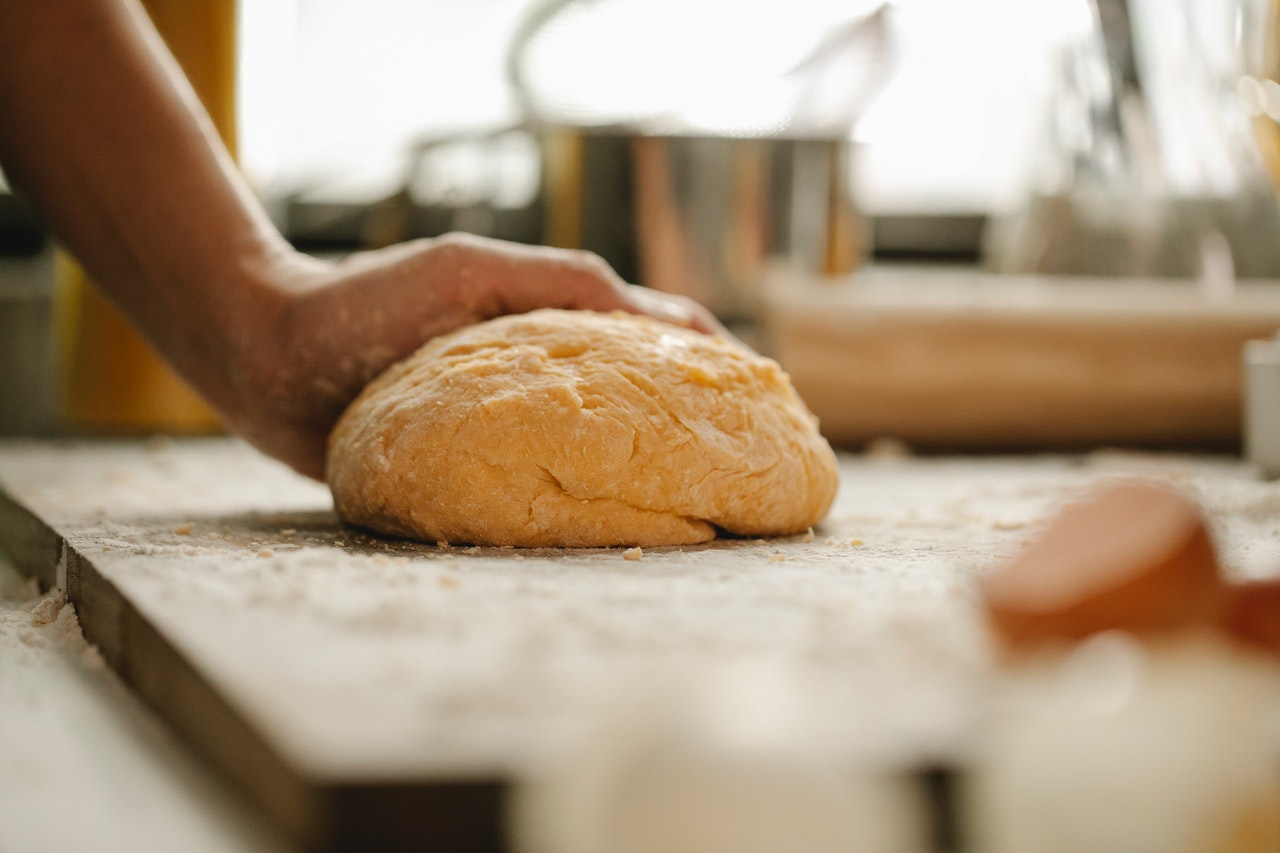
x=961, y=360
x=365, y=692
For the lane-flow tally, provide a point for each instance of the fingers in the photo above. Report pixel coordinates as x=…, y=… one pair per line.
x=546, y=277
x=661, y=306
x=346, y=321
x=674, y=309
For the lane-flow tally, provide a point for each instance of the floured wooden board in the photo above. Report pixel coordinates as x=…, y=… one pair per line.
x=365, y=690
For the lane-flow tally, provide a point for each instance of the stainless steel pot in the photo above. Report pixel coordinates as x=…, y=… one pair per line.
x=702, y=216
x=707, y=209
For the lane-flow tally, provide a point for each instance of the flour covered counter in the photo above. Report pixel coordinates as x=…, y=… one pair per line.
x=364, y=690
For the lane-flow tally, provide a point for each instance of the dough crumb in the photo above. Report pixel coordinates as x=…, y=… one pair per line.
x=288, y=531
x=182, y=530
x=808, y=535
x=633, y=554
x=443, y=545
x=48, y=609
x=450, y=582
x=266, y=552
x=855, y=542
x=777, y=558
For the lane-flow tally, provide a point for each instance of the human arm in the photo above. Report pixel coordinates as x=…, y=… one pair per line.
x=101, y=132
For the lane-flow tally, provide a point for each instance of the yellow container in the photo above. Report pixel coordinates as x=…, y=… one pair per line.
x=1267, y=124
x=111, y=379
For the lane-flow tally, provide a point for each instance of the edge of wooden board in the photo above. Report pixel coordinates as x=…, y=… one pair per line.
x=317, y=814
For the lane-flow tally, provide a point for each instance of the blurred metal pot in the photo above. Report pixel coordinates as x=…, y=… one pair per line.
x=705, y=142
x=703, y=216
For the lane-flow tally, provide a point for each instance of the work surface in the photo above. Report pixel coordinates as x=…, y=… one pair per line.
x=346, y=680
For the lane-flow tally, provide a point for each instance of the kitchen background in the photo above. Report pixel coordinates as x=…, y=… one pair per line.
x=1078, y=137
x=1062, y=207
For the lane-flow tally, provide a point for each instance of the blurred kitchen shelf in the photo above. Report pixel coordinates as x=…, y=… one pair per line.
x=960, y=359
x=329, y=226
x=938, y=237
x=315, y=224
x=20, y=235
x=27, y=397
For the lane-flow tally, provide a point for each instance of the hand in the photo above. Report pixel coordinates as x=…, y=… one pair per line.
x=332, y=327
x=276, y=342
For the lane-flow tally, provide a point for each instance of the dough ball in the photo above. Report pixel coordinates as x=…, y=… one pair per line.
x=580, y=429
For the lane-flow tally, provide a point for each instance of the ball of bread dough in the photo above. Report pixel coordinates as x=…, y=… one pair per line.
x=579, y=429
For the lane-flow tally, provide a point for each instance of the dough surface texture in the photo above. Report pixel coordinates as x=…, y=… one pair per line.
x=578, y=429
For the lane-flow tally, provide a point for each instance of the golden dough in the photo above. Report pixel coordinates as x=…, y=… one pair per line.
x=580, y=429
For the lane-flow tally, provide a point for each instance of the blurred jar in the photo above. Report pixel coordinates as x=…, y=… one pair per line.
x=112, y=381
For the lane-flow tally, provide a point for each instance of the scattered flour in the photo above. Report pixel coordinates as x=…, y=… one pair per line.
x=31, y=623
x=73, y=734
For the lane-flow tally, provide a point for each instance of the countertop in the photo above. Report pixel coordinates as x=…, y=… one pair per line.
x=344, y=656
